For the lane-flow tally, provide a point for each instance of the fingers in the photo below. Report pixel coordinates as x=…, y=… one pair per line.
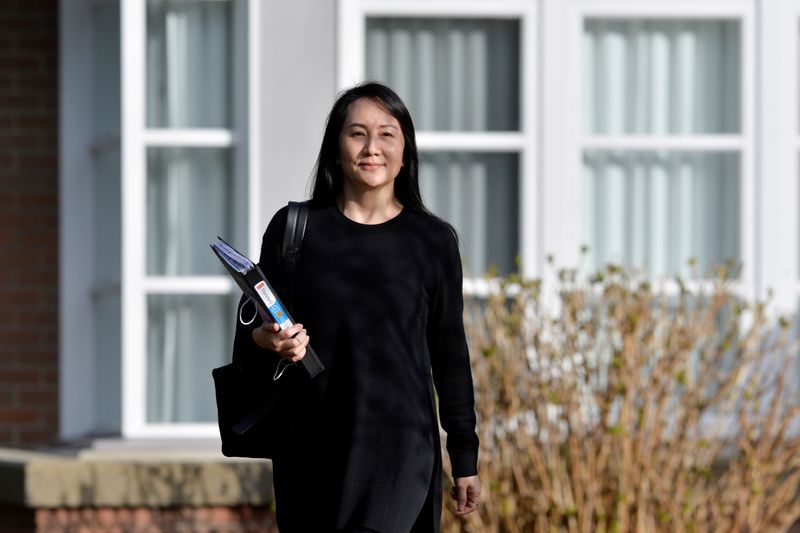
x=467, y=493
x=461, y=498
x=472, y=500
x=289, y=343
x=287, y=333
x=298, y=350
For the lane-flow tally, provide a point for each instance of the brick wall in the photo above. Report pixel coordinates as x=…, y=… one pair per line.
x=28, y=221
x=216, y=519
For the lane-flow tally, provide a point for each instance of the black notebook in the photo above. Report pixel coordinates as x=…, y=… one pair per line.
x=255, y=286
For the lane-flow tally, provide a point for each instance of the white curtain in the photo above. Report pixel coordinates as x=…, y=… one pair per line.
x=459, y=75
x=189, y=202
x=478, y=195
x=453, y=74
x=189, y=64
x=662, y=76
x=655, y=210
x=189, y=197
x=187, y=336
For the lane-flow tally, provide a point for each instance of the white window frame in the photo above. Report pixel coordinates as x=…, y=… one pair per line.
x=351, y=57
x=563, y=148
x=136, y=138
x=780, y=151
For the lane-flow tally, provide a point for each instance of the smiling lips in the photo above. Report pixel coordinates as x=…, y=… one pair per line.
x=370, y=166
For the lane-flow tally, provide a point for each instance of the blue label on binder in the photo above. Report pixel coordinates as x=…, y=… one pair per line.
x=278, y=314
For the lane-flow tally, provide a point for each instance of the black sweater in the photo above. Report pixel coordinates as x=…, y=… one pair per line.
x=383, y=307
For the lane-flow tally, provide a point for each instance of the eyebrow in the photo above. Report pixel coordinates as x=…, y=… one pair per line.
x=359, y=125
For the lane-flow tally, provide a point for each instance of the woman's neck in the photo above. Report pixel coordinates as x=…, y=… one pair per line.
x=369, y=207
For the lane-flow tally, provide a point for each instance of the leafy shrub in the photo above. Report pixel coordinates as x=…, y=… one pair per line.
x=617, y=407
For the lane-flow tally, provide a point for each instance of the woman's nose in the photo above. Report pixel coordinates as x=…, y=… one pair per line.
x=371, y=145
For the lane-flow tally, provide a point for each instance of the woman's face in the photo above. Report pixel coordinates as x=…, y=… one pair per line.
x=370, y=146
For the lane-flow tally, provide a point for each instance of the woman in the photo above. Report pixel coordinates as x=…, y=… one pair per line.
x=378, y=287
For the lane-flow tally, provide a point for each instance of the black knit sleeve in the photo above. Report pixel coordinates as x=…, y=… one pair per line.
x=245, y=351
x=452, y=374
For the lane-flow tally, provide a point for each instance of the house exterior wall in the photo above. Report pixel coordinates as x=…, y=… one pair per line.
x=28, y=222
x=297, y=90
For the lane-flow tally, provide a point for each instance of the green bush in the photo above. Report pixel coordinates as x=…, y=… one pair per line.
x=619, y=407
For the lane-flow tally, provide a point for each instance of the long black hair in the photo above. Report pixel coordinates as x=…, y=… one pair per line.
x=328, y=176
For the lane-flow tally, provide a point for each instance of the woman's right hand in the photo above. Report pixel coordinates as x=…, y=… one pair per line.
x=289, y=343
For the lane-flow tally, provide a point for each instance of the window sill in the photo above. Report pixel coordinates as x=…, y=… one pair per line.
x=126, y=476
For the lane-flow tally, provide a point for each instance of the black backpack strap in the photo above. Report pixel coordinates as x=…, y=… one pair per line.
x=296, y=219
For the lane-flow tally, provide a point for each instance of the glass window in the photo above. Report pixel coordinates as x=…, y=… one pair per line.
x=191, y=190
x=655, y=210
x=460, y=75
x=189, y=67
x=662, y=76
x=453, y=74
x=189, y=202
x=477, y=193
x=187, y=335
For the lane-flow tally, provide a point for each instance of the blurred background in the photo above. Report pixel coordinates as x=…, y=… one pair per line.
x=659, y=135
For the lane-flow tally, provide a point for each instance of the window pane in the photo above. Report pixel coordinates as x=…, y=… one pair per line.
x=106, y=95
x=662, y=76
x=187, y=336
x=189, y=202
x=453, y=74
x=656, y=210
x=189, y=64
x=478, y=194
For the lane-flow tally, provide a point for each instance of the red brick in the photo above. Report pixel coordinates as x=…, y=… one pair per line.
x=62, y=516
x=37, y=43
x=40, y=161
x=48, y=396
x=29, y=169
x=24, y=376
x=37, y=357
x=8, y=416
x=37, y=436
x=222, y=515
x=49, y=418
x=13, y=63
x=48, y=123
x=142, y=516
x=125, y=515
x=44, y=519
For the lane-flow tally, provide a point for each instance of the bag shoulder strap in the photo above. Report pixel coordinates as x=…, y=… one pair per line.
x=296, y=219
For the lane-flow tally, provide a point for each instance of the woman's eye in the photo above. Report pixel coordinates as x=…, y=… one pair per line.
x=357, y=134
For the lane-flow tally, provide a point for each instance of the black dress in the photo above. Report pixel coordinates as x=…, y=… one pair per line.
x=383, y=307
